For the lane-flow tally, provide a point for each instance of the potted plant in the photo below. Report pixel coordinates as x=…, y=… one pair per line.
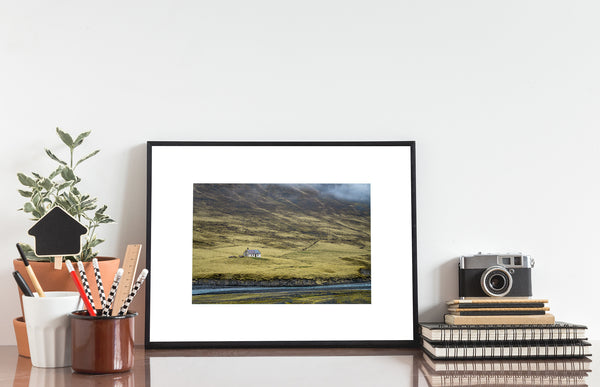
x=60, y=188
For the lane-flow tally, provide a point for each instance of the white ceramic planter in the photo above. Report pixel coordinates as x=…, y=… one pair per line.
x=48, y=327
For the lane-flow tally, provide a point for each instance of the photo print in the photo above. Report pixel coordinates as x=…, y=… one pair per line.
x=281, y=244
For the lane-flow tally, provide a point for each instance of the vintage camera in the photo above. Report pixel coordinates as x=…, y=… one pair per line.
x=495, y=275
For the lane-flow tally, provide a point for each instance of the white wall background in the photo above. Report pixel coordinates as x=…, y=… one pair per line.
x=502, y=98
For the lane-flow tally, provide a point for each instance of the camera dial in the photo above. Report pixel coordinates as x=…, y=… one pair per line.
x=496, y=281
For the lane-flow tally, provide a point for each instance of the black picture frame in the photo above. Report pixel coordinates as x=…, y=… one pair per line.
x=159, y=314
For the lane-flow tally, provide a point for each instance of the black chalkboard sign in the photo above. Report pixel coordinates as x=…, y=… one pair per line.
x=57, y=234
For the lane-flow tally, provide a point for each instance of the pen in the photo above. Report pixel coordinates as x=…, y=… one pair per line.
x=136, y=287
x=22, y=284
x=30, y=272
x=113, y=290
x=88, y=305
x=99, y=283
x=85, y=284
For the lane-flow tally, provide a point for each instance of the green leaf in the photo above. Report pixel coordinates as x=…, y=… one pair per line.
x=65, y=137
x=106, y=220
x=36, y=214
x=96, y=242
x=55, y=173
x=25, y=194
x=94, y=153
x=35, y=199
x=28, y=207
x=101, y=210
x=80, y=138
x=67, y=174
x=26, y=180
x=36, y=175
x=47, y=184
x=63, y=186
x=73, y=200
x=54, y=157
x=26, y=248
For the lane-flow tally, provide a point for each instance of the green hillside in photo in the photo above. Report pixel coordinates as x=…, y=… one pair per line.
x=306, y=234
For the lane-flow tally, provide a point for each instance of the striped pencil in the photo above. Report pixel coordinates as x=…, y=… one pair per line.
x=85, y=284
x=82, y=294
x=99, y=282
x=136, y=287
x=111, y=294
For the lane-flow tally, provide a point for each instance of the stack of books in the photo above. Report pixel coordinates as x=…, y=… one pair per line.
x=488, y=354
x=502, y=310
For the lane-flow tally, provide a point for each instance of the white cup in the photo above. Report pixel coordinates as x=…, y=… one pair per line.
x=48, y=327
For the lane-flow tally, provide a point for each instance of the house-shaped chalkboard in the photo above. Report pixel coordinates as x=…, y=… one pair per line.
x=57, y=234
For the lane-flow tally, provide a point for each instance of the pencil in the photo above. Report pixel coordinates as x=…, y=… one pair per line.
x=85, y=283
x=88, y=306
x=30, y=272
x=99, y=282
x=111, y=293
x=136, y=287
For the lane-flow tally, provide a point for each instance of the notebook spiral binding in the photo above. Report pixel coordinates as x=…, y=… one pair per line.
x=494, y=332
x=514, y=349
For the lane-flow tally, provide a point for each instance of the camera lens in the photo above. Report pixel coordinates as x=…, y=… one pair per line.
x=496, y=281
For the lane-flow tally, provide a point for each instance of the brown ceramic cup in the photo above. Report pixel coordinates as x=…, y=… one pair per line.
x=102, y=345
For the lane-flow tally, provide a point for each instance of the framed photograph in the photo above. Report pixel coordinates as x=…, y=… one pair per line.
x=281, y=244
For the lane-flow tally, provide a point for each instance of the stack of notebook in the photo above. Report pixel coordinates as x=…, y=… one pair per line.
x=505, y=354
x=502, y=310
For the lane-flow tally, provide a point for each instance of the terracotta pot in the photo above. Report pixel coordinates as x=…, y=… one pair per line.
x=21, y=335
x=60, y=280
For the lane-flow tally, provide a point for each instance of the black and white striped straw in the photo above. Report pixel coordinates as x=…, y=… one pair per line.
x=136, y=287
x=85, y=283
x=113, y=291
x=99, y=282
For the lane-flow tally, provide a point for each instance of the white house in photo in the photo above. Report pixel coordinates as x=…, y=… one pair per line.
x=252, y=253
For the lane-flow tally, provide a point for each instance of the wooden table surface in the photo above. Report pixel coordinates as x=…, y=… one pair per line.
x=240, y=367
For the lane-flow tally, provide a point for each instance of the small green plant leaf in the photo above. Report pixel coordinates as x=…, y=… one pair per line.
x=63, y=186
x=55, y=173
x=65, y=137
x=36, y=175
x=47, y=184
x=54, y=157
x=28, y=207
x=80, y=138
x=36, y=198
x=96, y=242
x=25, y=194
x=94, y=153
x=67, y=174
x=26, y=180
x=106, y=220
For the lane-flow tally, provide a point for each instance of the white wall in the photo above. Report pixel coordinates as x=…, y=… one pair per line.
x=502, y=98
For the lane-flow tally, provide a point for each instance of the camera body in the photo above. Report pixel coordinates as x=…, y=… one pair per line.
x=495, y=275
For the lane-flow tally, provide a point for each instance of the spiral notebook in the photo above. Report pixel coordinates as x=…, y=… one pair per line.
x=506, y=349
x=556, y=331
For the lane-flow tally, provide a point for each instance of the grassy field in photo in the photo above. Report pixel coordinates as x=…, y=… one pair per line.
x=305, y=236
